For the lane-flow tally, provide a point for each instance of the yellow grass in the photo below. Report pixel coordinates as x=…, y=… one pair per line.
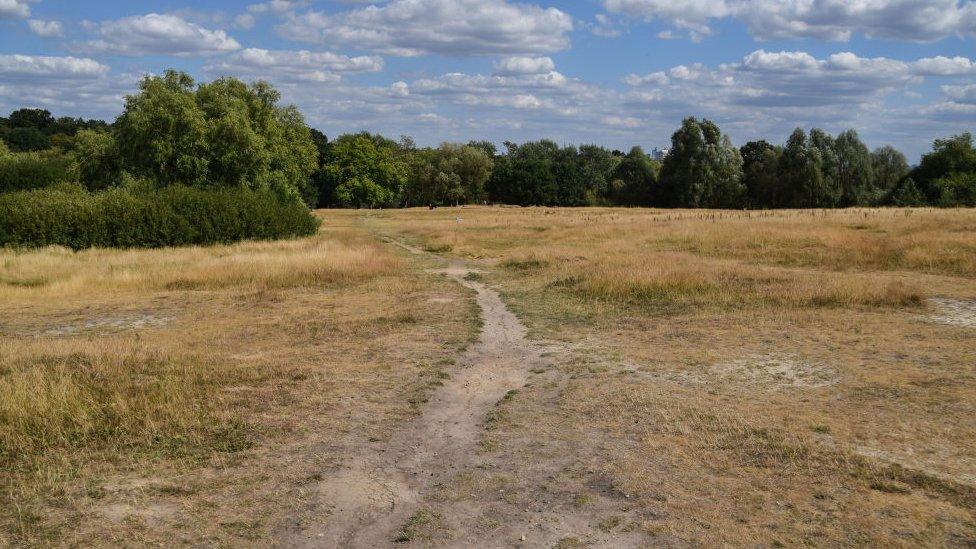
x=126, y=368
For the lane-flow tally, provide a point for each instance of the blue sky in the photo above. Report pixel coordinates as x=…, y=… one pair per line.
x=613, y=72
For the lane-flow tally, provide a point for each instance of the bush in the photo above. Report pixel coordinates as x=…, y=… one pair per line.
x=35, y=170
x=125, y=218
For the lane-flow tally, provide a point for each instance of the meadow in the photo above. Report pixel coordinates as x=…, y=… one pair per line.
x=704, y=377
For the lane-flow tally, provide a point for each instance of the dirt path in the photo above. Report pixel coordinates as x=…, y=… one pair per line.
x=378, y=491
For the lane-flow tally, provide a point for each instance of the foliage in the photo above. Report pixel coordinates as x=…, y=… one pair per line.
x=760, y=166
x=702, y=170
x=97, y=156
x=147, y=218
x=363, y=171
x=634, y=179
x=36, y=129
x=222, y=133
x=854, y=170
x=35, y=169
x=945, y=168
x=890, y=166
x=450, y=174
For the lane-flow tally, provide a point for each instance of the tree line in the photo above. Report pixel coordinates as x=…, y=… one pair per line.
x=701, y=170
x=228, y=134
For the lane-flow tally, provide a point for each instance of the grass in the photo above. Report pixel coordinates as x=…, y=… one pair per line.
x=710, y=378
x=214, y=370
x=739, y=378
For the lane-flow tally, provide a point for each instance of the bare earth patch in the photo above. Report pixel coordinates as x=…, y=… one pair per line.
x=775, y=371
x=953, y=312
x=128, y=321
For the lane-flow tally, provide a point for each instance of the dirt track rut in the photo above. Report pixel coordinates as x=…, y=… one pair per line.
x=376, y=493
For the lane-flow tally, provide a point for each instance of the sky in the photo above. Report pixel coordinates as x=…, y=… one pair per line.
x=612, y=72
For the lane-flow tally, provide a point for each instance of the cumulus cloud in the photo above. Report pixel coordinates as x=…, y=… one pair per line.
x=944, y=66
x=524, y=65
x=46, y=29
x=446, y=27
x=298, y=66
x=37, y=67
x=918, y=20
x=961, y=94
x=14, y=9
x=156, y=34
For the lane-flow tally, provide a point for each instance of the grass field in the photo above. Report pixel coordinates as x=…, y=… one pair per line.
x=708, y=378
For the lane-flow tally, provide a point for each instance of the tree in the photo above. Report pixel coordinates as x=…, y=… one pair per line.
x=223, y=133
x=830, y=188
x=703, y=169
x=634, y=179
x=945, y=167
x=525, y=175
x=97, y=156
x=596, y=164
x=889, y=166
x=800, y=171
x=854, y=172
x=760, y=167
x=162, y=133
x=363, y=173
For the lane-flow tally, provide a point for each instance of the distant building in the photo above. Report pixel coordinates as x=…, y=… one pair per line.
x=659, y=154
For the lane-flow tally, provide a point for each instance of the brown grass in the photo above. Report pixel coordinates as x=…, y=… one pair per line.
x=744, y=378
x=114, y=429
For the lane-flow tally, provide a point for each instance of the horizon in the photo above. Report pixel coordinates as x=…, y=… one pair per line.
x=616, y=73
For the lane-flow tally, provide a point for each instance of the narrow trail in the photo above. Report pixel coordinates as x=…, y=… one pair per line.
x=379, y=489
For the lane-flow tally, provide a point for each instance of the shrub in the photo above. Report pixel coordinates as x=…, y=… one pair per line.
x=128, y=218
x=35, y=170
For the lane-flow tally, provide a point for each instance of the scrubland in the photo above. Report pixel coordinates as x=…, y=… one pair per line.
x=709, y=378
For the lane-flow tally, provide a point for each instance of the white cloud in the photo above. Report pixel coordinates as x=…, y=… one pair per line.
x=14, y=9
x=961, y=94
x=46, y=29
x=918, y=20
x=298, y=66
x=944, y=66
x=277, y=6
x=524, y=65
x=44, y=67
x=155, y=34
x=447, y=27
x=658, y=78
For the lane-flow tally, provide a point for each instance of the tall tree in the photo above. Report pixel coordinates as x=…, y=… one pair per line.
x=942, y=174
x=363, y=173
x=634, y=180
x=760, y=174
x=889, y=165
x=854, y=172
x=800, y=170
x=830, y=187
x=702, y=169
x=222, y=133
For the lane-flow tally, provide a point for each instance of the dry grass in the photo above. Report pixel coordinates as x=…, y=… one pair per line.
x=153, y=395
x=744, y=378
x=343, y=257
x=716, y=378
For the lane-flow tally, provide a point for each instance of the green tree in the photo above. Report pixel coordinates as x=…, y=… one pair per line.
x=945, y=167
x=703, y=169
x=830, y=191
x=163, y=132
x=890, y=166
x=363, y=173
x=634, y=179
x=760, y=167
x=855, y=174
x=223, y=133
x=801, y=174
x=97, y=156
